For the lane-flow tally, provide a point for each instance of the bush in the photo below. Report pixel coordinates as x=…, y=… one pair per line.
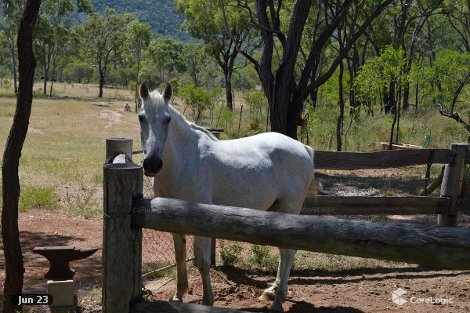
x=261, y=258
x=230, y=254
x=198, y=99
x=79, y=72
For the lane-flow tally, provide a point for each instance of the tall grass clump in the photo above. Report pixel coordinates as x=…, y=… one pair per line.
x=38, y=197
x=260, y=257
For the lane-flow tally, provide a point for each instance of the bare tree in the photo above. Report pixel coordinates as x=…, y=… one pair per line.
x=11, y=157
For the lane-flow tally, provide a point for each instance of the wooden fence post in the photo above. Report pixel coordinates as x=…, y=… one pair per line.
x=122, y=245
x=452, y=183
x=116, y=146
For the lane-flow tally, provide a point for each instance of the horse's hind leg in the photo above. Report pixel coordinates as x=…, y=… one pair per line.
x=286, y=260
x=179, y=242
x=202, y=248
x=279, y=290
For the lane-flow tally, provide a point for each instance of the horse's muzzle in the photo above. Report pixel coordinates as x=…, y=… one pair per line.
x=152, y=166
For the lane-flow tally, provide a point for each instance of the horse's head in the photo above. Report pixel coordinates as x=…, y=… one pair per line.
x=154, y=120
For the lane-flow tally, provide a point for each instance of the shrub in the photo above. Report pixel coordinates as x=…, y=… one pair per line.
x=261, y=257
x=230, y=254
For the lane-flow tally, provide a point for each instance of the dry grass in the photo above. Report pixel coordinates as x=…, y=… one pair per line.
x=65, y=146
x=76, y=90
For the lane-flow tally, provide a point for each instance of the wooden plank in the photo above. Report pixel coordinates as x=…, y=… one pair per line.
x=333, y=205
x=122, y=245
x=406, y=146
x=178, y=307
x=452, y=183
x=381, y=159
x=444, y=247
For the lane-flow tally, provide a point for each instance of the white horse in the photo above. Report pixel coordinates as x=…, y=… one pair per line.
x=268, y=171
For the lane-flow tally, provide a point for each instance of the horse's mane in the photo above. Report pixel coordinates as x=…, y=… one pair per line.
x=192, y=125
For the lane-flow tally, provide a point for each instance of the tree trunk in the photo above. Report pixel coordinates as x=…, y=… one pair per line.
x=102, y=80
x=314, y=98
x=47, y=66
x=46, y=73
x=228, y=88
x=11, y=185
x=339, y=122
x=416, y=96
x=390, y=103
x=285, y=109
x=353, y=66
x=54, y=70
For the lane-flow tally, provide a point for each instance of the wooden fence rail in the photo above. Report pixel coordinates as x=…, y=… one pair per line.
x=382, y=159
x=334, y=205
x=444, y=247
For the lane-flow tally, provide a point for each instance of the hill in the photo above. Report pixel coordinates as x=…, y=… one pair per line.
x=160, y=14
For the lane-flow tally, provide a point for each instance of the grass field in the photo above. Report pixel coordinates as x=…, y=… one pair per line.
x=61, y=164
x=64, y=151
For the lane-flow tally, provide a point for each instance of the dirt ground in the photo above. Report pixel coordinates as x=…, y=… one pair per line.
x=359, y=290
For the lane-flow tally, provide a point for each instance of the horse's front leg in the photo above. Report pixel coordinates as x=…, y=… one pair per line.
x=202, y=248
x=179, y=242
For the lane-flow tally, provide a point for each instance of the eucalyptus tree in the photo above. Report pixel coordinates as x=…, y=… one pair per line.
x=196, y=61
x=384, y=73
x=298, y=72
x=450, y=70
x=206, y=20
x=138, y=40
x=53, y=31
x=104, y=41
x=408, y=19
x=167, y=54
x=458, y=16
x=9, y=22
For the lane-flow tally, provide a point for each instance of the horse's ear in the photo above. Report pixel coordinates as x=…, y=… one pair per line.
x=168, y=92
x=144, y=90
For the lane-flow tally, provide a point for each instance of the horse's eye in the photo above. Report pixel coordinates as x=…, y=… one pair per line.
x=141, y=118
x=167, y=119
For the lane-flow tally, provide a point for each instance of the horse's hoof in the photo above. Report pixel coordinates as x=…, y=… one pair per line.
x=176, y=299
x=208, y=302
x=267, y=295
x=276, y=308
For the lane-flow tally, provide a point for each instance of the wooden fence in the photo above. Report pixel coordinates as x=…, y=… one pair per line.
x=126, y=213
x=446, y=206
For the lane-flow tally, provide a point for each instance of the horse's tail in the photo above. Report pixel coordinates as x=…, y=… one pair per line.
x=312, y=189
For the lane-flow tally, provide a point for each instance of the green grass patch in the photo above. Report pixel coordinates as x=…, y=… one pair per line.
x=38, y=197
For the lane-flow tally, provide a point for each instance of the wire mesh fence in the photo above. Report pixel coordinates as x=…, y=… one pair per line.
x=158, y=251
